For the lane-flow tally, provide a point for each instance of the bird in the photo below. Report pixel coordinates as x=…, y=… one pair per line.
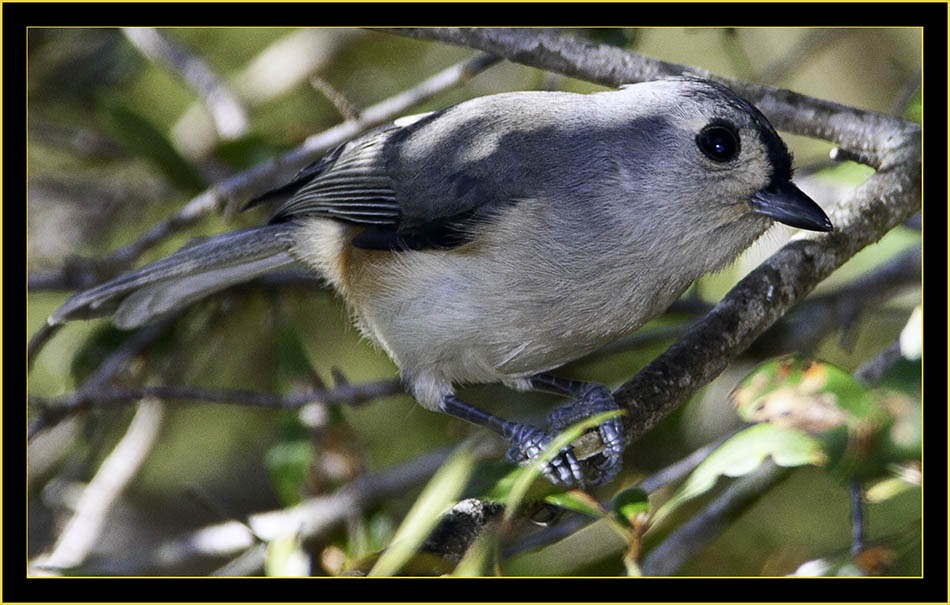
x=498, y=239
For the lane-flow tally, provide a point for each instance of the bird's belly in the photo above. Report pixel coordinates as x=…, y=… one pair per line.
x=442, y=315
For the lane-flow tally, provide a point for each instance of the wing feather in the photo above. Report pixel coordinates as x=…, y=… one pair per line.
x=430, y=182
x=353, y=186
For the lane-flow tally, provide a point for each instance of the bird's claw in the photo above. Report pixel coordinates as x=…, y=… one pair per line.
x=528, y=443
x=606, y=463
x=565, y=470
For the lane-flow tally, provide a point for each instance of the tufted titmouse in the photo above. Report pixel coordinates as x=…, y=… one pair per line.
x=498, y=239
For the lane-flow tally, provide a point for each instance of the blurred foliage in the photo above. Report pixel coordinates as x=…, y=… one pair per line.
x=141, y=138
x=117, y=144
x=915, y=109
x=856, y=432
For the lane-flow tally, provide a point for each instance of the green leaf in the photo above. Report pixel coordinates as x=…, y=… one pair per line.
x=493, y=480
x=368, y=535
x=860, y=430
x=577, y=501
x=288, y=463
x=630, y=519
x=803, y=393
x=915, y=109
x=440, y=493
x=630, y=504
x=741, y=455
x=141, y=138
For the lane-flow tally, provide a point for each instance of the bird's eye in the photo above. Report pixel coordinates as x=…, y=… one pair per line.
x=720, y=143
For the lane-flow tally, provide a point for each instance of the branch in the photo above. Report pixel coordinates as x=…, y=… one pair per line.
x=868, y=132
x=83, y=141
x=819, y=316
x=84, y=273
x=343, y=394
x=274, y=71
x=97, y=380
x=887, y=199
x=650, y=484
x=460, y=526
x=812, y=42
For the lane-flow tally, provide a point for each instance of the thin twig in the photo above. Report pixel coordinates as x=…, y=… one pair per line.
x=818, y=316
x=81, y=532
x=812, y=42
x=98, y=380
x=333, y=94
x=650, y=484
x=872, y=371
x=274, y=71
x=38, y=341
x=55, y=410
x=80, y=140
x=230, y=117
x=703, y=528
x=888, y=197
x=857, y=517
x=679, y=469
x=549, y=535
x=119, y=359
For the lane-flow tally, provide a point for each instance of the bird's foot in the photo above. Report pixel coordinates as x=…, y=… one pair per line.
x=605, y=464
x=565, y=470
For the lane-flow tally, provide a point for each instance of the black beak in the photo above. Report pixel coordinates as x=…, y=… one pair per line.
x=786, y=203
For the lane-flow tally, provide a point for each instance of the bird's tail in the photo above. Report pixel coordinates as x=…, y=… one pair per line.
x=191, y=273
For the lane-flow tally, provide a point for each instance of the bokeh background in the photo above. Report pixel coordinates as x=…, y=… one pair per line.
x=118, y=142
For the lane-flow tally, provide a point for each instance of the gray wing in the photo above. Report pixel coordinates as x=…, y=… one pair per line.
x=400, y=202
x=434, y=181
x=357, y=184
